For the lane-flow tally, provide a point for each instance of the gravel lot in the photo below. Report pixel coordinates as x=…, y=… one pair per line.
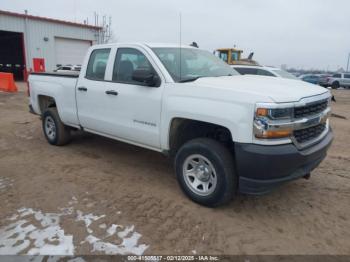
x=97, y=196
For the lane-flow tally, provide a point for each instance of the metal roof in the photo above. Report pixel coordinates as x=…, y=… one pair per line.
x=46, y=19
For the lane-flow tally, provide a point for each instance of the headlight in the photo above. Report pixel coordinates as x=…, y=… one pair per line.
x=275, y=113
x=263, y=117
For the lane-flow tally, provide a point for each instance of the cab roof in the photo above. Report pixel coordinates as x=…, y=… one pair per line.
x=150, y=45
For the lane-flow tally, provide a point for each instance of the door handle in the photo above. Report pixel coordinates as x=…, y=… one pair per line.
x=82, y=88
x=112, y=92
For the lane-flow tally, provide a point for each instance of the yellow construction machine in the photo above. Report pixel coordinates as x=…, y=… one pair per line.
x=233, y=56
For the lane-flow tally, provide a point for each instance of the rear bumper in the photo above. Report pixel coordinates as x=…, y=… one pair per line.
x=262, y=168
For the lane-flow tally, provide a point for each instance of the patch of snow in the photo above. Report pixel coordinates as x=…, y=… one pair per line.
x=33, y=232
x=112, y=229
x=88, y=218
x=128, y=245
x=48, y=239
x=25, y=211
x=125, y=232
x=103, y=226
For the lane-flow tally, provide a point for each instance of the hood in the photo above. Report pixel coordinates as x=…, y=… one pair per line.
x=279, y=90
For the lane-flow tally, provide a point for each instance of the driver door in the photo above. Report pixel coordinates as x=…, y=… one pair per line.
x=135, y=108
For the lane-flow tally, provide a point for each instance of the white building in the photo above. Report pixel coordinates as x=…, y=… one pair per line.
x=32, y=43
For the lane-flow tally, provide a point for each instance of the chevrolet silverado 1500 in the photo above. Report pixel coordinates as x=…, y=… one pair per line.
x=226, y=132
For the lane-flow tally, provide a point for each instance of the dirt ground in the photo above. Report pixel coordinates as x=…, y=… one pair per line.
x=97, y=196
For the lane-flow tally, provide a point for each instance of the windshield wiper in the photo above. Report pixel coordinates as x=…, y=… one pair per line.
x=189, y=79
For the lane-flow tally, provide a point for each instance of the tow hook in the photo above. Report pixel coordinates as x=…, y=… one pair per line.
x=307, y=176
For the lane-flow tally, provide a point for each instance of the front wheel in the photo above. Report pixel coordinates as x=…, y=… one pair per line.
x=205, y=172
x=55, y=131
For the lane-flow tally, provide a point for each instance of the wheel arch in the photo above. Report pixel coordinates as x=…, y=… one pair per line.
x=45, y=101
x=182, y=130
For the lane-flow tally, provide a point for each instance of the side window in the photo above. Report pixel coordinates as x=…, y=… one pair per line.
x=346, y=75
x=126, y=62
x=262, y=72
x=97, y=64
x=337, y=75
x=224, y=56
x=246, y=70
x=234, y=56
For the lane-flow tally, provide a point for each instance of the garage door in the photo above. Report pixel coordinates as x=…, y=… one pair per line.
x=70, y=51
x=12, y=54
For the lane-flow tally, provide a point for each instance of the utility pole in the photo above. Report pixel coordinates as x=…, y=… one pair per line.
x=347, y=66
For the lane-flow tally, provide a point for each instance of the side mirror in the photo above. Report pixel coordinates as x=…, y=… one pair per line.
x=145, y=76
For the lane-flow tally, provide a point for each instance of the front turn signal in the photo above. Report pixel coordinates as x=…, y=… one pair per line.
x=274, y=134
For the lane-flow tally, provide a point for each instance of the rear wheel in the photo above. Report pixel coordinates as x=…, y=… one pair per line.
x=55, y=131
x=205, y=172
x=335, y=85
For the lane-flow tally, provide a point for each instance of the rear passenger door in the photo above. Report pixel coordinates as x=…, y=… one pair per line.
x=90, y=93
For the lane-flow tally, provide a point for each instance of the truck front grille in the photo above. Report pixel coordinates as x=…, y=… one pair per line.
x=312, y=109
x=307, y=134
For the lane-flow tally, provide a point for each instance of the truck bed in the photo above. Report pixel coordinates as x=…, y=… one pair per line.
x=61, y=87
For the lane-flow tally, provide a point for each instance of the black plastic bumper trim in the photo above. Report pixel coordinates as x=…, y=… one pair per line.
x=262, y=168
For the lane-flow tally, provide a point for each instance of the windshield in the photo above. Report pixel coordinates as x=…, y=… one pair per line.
x=194, y=63
x=285, y=74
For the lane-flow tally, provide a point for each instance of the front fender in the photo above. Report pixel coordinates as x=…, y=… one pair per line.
x=236, y=117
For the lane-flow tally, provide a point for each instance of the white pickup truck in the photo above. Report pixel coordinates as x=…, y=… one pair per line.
x=227, y=132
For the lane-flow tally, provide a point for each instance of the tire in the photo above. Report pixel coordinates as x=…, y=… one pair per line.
x=213, y=181
x=55, y=131
x=335, y=85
